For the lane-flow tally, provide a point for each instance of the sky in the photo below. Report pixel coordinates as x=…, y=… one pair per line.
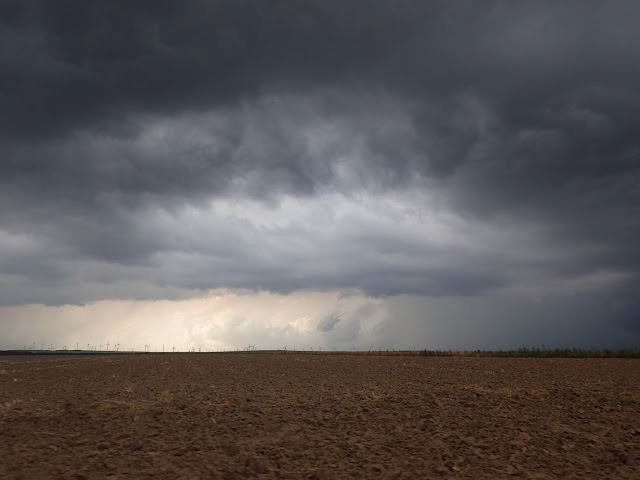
x=319, y=174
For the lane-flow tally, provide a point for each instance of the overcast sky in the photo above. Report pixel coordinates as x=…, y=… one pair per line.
x=361, y=174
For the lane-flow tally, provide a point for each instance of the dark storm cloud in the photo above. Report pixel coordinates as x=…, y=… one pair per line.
x=511, y=113
x=76, y=62
x=559, y=77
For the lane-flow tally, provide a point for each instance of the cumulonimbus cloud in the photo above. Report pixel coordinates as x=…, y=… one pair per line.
x=315, y=145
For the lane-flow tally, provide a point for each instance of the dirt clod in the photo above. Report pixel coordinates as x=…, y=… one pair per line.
x=318, y=416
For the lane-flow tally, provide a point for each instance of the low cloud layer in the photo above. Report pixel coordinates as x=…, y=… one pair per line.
x=437, y=151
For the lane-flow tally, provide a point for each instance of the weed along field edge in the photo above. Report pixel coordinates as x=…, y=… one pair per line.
x=320, y=415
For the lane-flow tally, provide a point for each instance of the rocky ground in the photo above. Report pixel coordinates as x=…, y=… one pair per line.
x=322, y=416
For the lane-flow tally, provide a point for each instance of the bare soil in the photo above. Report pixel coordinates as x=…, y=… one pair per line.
x=322, y=416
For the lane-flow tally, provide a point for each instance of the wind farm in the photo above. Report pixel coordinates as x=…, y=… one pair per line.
x=319, y=240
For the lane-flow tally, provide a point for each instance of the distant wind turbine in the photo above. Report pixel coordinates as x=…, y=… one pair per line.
x=107, y=346
x=117, y=345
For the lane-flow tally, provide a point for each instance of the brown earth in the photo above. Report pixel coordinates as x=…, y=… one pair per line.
x=254, y=415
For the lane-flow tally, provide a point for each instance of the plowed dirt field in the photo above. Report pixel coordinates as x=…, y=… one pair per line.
x=322, y=416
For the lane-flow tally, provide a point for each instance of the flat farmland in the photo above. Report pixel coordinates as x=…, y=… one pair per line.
x=322, y=416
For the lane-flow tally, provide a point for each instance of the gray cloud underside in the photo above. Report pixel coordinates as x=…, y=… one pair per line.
x=511, y=114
